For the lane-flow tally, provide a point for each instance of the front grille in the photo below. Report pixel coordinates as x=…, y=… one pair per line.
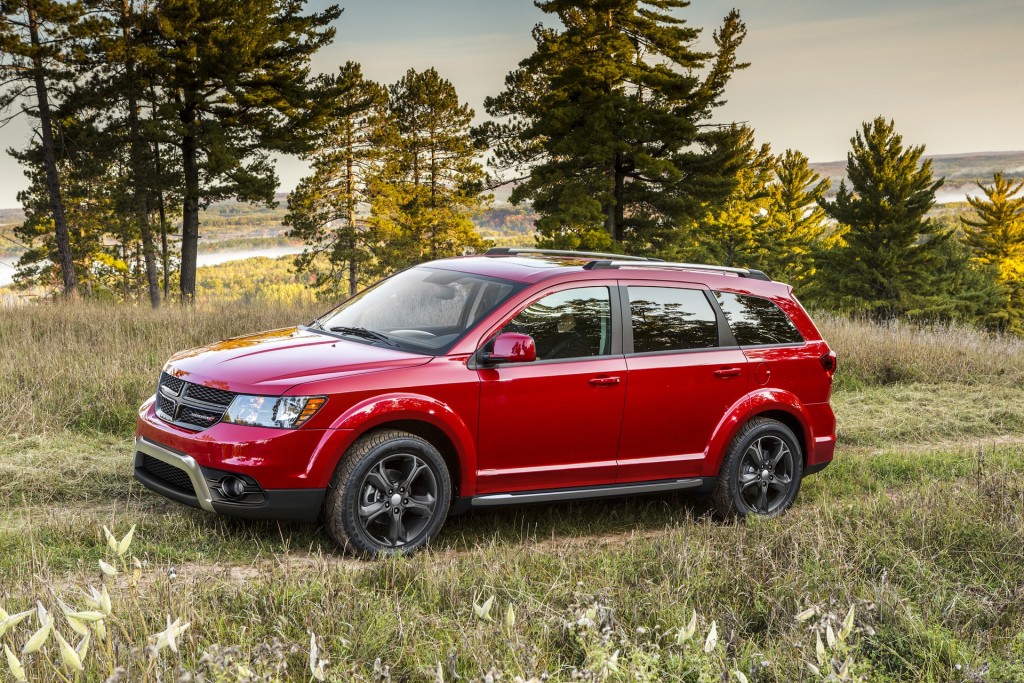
x=191, y=405
x=169, y=474
x=166, y=405
x=209, y=394
x=200, y=418
x=171, y=382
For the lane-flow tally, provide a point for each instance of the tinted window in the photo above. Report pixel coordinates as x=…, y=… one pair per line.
x=757, y=321
x=573, y=323
x=671, y=319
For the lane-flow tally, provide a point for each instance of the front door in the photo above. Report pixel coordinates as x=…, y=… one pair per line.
x=682, y=381
x=554, y=423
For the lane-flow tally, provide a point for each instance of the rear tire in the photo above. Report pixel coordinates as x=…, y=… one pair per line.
x=389, y=494
x=760, y=473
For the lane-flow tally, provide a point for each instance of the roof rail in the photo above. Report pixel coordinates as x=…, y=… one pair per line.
x=619, y=263
x=514, y=251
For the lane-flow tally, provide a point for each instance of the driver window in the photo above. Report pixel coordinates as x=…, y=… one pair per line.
x=573, y=323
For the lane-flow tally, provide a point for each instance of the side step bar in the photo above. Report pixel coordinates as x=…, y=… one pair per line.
x=494, y=499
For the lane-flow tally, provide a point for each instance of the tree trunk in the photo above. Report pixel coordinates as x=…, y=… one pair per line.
x=67, y=266
x=353, y=275
x=140, y=195
x=620, y=202
x=615, y=211
x=189, y=216
x=165, y=259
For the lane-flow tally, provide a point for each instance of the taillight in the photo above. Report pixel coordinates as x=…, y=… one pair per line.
x=830, y=363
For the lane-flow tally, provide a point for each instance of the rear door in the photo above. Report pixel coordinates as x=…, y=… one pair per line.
x=685, y=374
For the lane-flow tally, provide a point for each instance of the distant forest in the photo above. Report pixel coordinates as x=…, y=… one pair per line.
x=604, y=138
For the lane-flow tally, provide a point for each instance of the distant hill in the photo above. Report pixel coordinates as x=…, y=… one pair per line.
x=961, y=171
x=233, y=221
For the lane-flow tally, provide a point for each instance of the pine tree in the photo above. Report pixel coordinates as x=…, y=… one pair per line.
x=34, y=35
x=327, y=207
x=796, y=225
x=235, y=79
x=430, y=181
x=731, y=233
x=995, y=236
x=607, y=124
x=84, y=176
x=125, y=62
x=886, y=262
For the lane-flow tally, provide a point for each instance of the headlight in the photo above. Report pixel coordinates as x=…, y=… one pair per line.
x=282, y=412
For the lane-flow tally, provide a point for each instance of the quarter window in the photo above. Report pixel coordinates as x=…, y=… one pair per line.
x=671, y=319
x=756, y=321
x=573, y=323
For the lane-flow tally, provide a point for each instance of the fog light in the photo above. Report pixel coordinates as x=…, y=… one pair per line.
x=232, y=487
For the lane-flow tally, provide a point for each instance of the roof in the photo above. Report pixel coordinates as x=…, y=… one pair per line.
x=528, y=266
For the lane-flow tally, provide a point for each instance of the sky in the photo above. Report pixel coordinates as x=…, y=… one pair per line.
x=948, y=72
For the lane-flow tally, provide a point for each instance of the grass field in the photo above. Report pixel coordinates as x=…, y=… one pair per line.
x=918, y=525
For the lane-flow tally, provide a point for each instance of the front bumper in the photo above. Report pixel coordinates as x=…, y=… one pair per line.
x=179, y=477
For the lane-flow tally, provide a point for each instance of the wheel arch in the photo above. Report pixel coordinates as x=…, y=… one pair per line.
x=423, y=416
x=782, y=406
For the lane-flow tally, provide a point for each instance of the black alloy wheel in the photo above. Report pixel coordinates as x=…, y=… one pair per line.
x=761, y=471
x=397, y=499
x=390, y=494
x=766, y=474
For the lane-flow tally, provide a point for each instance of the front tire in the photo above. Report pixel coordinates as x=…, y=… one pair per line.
x=389, y=494
x=761, y=471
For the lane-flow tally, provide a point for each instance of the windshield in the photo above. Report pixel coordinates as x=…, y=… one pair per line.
x=423, y=310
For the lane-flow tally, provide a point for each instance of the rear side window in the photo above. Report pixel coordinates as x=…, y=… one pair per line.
x=756, y=321
x=671, y=319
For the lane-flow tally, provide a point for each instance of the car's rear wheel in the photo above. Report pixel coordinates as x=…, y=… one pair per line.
x=761, y=471
x=390, y=494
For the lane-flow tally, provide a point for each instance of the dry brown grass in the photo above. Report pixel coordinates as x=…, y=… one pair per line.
x=88, y=366
x=925, y=542
x=901, y=352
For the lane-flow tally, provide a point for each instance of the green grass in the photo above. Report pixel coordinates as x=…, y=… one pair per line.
x=933, y=563
x=911, y=524
x=927, y=414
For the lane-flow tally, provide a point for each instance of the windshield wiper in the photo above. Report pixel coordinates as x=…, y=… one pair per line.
x=364, y=333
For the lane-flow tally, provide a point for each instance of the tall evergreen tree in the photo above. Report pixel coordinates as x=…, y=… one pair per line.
x=995, y=235
x=121, y=49
x=796, y=225
x=731, y=232
x=84, y=176
x=328, y=207
x=430, y=181
x=34, y=35
x=236, y=79
x=608, y=123
x=886, y=262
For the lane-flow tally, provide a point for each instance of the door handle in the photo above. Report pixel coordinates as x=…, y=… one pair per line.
x=728, y=372
x=603, y=381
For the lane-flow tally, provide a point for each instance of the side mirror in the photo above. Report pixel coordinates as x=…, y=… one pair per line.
x=512, y=347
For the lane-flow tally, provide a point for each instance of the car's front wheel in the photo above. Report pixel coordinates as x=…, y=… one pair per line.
x=390, y=493
x=761, y=471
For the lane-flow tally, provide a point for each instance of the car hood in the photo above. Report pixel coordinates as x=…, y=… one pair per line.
x=273, y=362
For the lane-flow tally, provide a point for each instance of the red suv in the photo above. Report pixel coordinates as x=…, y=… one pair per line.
x=519, y=376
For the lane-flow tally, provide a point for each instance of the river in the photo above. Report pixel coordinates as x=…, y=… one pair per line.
x=204, y=259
